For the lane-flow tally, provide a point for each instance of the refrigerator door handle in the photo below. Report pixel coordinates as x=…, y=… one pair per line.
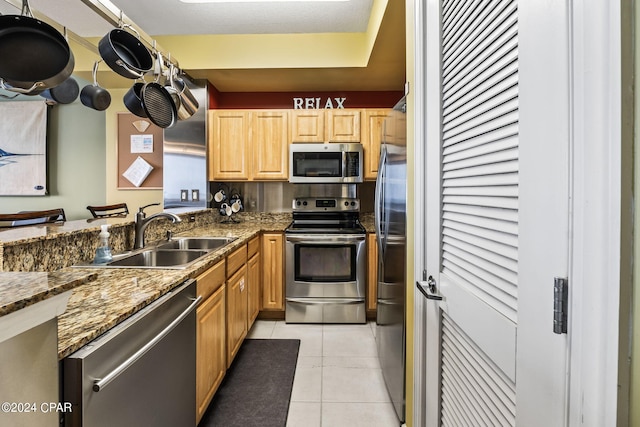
x=379, y=198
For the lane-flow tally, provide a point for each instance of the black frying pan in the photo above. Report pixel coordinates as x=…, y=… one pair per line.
x=158, y=105
x=125, y=54
x=35, y=55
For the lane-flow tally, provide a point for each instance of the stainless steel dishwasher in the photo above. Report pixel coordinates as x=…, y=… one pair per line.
x=141, y=372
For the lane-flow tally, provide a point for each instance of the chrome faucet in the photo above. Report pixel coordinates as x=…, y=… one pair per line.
x=142, y=222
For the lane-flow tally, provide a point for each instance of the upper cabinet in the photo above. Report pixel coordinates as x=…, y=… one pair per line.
x=253, y=145
x=228, y=145
x=331, y=125
x=269, y=143
x=246, y=145
x=372, y=124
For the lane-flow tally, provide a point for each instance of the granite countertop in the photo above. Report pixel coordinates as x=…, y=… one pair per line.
x=20, y=290
x=116, y=293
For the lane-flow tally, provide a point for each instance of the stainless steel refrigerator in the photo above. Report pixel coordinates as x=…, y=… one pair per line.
x=390, y=220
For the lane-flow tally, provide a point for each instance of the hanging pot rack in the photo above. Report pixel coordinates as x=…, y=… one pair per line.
x=113, y=16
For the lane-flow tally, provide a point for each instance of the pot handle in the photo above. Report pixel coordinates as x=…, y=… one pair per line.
x=19, y=90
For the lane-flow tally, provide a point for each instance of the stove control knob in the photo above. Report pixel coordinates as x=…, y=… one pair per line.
x=353, y=203
x=298, y=203
x=304, y=203
x=346, y=203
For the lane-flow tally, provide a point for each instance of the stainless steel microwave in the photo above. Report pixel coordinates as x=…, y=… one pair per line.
x=325, y=163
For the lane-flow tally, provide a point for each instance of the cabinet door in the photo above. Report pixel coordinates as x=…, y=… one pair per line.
x=236, y=312
x=273, y=271
x=307, y=126
x=270, y=145
x=372, y=272
x=255, y=284
x=228, y=145
x=343, y=125
x=371, y=137
x=211, y=361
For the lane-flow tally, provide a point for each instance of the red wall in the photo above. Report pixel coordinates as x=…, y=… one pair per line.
x=274, y=100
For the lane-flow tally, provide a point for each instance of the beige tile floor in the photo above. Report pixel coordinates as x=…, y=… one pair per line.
x=338, y=381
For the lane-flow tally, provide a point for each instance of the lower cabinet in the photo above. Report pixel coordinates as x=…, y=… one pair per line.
x=211, y=346
x=254, y=274
x=237, y=300
x=273, y=272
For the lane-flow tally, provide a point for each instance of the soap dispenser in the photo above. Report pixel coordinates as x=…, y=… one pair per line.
x=103, y=253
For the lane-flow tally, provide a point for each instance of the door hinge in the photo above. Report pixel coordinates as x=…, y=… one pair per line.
x=560, y=304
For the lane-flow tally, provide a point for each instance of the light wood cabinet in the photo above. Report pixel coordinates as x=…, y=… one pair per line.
x=269, y=145
x=211, y=361
x=236, y=312
x=372, y=128
x=254, y=278
x=237, y=293
x=247, y=145
x=372, y=272
x=331, y=125
x=343, y=125
x=272, y=254
x=228, y=145
x=307, y=126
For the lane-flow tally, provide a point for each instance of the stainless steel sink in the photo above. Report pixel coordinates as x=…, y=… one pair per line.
x=158, y=258
x=204, y=243
x=178, y=253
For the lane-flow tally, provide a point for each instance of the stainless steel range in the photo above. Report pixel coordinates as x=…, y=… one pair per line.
x=325, y=262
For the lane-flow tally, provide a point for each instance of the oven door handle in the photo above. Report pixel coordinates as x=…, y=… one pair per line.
x=317, y=301
x=328, y=239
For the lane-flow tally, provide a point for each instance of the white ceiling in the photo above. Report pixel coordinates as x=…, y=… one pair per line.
x=172, y=17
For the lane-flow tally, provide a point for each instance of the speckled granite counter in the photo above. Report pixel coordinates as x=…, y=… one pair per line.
x=19, y=290
x=116, y=294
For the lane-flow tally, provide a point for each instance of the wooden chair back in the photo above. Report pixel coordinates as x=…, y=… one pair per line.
x=119, y=209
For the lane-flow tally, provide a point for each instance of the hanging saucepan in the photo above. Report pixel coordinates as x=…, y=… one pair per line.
x=157, y=102
x=133, y=99
x=125, y=54
x=65, y=93
x=35, y=55
x=188, y=103
x=94, y=96
x=175, y=96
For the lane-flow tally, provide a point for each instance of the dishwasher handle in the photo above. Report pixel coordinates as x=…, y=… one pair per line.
x=103, y=382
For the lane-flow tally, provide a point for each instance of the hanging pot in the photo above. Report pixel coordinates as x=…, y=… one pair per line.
x=156, y=100
x=94, y=96
x=188, y=103
x=35, y=55
x=125, y=54
x=133, y=100
x=65, y=93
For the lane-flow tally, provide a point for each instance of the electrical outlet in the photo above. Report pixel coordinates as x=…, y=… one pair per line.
x=184, y=195
x=195, y=195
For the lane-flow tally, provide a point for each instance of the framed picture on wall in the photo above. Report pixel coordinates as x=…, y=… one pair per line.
x=23, y=148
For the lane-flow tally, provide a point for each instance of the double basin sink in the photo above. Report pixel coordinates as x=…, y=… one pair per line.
x=177, y=253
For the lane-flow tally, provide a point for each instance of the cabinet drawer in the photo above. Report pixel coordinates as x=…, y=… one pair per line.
x=236, y=260
x=211, y=280
x=253, y=246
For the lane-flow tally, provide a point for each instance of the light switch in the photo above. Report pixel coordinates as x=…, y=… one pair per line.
x=184, y=195
x=195, y=195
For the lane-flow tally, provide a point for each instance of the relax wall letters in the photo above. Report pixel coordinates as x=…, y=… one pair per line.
x=316, y=103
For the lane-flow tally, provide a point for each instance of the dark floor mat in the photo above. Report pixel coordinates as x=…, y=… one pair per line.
x=257, y=387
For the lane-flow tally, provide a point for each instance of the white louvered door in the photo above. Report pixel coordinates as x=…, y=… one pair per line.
x=488, y=221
